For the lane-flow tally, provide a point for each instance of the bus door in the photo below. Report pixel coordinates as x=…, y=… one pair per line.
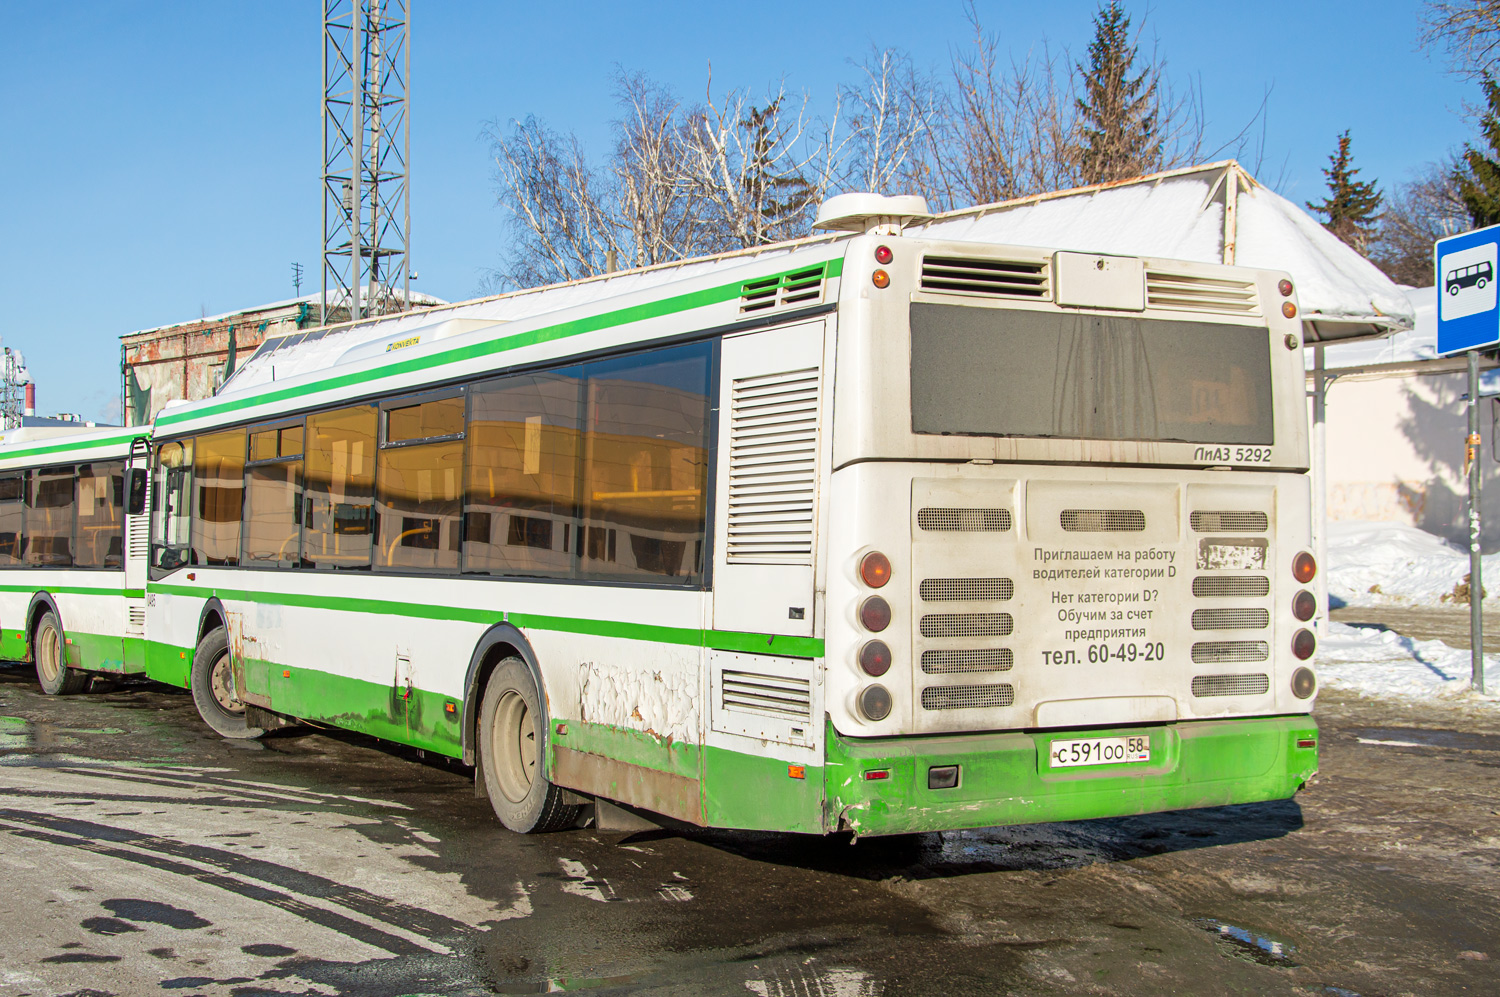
x=137, y=550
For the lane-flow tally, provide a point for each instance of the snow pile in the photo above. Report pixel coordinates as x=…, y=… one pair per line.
x=1384, y=564
x=1383, y=663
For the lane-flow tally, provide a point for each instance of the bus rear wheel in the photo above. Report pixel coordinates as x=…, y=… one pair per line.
x=52, y=670
x=212, y=682
x=512, y=736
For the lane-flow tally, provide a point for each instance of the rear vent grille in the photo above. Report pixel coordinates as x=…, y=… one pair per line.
x=992, y=278
x=1244, y=587
x=1231, y=619
x=967, y=697
x=1230, y=650
x=773, y=449
x=979, y=659
x=959, y=589
x=1229, y=522
x=967, y=625
x=1231, y=685
x=964, y=520
x=1103, y=520
x=804, y=287
x=775, y=695
x=1194, y=293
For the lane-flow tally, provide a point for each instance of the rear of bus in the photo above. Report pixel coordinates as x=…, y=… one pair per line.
x=1068, y=564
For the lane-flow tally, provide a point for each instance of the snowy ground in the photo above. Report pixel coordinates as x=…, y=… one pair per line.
x=1390, y=564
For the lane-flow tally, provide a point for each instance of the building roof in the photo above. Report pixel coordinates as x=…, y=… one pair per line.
x=336, y=299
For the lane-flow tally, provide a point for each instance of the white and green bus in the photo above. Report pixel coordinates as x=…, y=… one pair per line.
x=862, y=532
x=71, y=600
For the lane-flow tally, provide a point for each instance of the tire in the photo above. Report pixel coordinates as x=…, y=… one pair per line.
x=47, y=650
x=1480, y=283
x=1453, y=288
x=512, y=733
x=212, y=683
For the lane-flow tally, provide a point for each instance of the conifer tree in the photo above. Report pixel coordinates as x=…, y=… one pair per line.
x=1478, y=175
x=1350, y=209
x=1120, y=113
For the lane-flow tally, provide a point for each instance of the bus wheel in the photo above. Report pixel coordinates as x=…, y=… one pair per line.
x=52, y=670
x=512, y=732
x=213, y=688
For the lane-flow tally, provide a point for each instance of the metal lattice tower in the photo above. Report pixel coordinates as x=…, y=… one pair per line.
x=13, y=381
x=366, y=146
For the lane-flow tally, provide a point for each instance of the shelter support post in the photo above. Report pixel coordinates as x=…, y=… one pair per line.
x=1320, y=485
x=1476, y=561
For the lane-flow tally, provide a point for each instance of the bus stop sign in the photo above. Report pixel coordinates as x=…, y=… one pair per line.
x=1465, y=267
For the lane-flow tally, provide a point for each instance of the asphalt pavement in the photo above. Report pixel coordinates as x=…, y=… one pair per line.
x=144, y=855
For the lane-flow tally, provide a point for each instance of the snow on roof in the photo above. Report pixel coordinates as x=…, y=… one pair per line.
x=1193, y=214
x=336, y=299
x=1417, y=343
x=318, y=349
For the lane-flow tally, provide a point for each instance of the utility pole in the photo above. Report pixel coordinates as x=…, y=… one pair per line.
x=366, y=155
x=297, y=279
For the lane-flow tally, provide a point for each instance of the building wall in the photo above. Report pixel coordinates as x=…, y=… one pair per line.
x=1396, y=454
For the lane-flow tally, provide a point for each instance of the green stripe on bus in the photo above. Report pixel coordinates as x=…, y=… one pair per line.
x=546, y=334
x=721, y=640
x=70, y=590
x=76, y=447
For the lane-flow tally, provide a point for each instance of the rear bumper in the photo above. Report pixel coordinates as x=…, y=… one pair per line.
x=1007, y=778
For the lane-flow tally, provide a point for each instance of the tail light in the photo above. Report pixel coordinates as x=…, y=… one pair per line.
x=1304, y=684
x=1303, y=645
x=875, y=658
x=875, y=614
x=1304, y=567
x=875, y=569
x=1304, y=605
x=875, y=703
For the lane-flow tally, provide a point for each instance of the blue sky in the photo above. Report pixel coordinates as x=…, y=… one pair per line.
x=161, y=159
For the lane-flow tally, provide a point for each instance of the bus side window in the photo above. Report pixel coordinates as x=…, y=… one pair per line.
x=13, y=519
x=100, y=516
x=171, y=536
x=338, y=496
x=50, y=517
x=218, y=491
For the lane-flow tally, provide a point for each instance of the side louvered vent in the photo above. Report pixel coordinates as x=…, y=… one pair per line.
x=138, y=539
x=773, y=448
x=991, y=278
x=135, y=619
x=803, y=287
x=773, y=695
x=1197, y=293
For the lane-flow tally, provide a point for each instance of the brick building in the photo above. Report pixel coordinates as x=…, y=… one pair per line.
x=192, y=359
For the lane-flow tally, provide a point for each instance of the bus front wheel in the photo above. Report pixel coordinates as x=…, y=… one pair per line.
x=512, y=739
x=52, y=670
x=214, y=694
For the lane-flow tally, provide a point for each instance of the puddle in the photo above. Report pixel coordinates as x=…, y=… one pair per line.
x=1417, y=737
x=563, y=984
x=1249, y=944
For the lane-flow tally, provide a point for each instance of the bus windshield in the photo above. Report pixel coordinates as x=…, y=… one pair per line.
x=989, y=372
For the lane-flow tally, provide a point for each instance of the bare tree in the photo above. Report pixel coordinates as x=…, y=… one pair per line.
x=1468, y=30
x=1417, y=214
x=558, y=212
x=656, y=204
x=756, y=168
x=890, y=112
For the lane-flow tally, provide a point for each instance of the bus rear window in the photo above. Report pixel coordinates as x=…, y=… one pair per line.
x=993, y=372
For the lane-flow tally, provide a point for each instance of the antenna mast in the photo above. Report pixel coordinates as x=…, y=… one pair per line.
x=366, y=147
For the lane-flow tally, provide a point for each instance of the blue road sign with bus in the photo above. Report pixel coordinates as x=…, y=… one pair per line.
x=1468, y=310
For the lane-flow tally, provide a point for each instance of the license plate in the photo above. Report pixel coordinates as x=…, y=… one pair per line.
x=1100, y=751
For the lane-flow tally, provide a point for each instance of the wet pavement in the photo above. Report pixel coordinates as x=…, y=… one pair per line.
x=142, y=854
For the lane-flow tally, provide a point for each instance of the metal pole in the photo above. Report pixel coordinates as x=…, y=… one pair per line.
x=1320, y=484
x=358, y=68
x=406, y=164
x=1476, y=580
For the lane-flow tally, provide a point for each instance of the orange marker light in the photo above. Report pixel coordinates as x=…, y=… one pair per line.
x=880, y=278
x=286, y=674
x=875, y=569
x=450, y=708
x=1288, y=309
x=796, y=772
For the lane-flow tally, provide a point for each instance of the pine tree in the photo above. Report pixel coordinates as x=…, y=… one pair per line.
x=1351, y=205
x=1478, y=176
x=1120, y=113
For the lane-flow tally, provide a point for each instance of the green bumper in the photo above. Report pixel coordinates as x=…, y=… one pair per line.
x=1009, y=779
